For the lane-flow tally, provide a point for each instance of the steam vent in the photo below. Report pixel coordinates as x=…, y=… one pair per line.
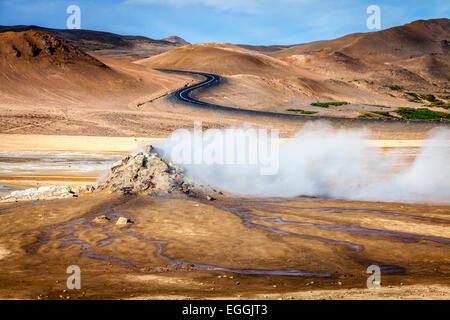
x=139, y=173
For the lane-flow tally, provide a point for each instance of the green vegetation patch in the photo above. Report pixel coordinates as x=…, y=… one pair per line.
x=439, y=104
x=395, y=87
x=302, y=111
x=376, y=114
x=327, y=104
x=422, y=114
x=428, y=97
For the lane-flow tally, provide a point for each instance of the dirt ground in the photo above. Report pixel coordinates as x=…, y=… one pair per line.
x=230, y=248
x=186, y=248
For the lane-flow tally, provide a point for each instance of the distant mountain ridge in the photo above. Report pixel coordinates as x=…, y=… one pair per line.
x=90, y=40
x=406, y=41
x=176, y=40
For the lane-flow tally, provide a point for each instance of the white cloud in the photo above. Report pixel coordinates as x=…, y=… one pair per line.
x=247, y=6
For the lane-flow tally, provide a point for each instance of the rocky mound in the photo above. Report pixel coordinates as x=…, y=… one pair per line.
x=44, y=48
x=148, y=172
x=139, y=173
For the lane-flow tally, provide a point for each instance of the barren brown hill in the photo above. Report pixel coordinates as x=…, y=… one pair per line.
x=45, y=80
x=224, y=59
x=413, y=56
x=38, y=68
x=413, y=39
x=258, y=81
x=104, y=43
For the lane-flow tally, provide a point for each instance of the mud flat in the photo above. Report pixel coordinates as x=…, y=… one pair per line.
x=83, y=144
x=175, y=246
x=121, y=145
x=41, y=160
x=231, y=248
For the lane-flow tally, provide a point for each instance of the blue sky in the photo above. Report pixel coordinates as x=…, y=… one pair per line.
x=237, y=21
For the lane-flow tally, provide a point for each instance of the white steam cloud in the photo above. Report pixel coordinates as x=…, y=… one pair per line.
x=325, y=162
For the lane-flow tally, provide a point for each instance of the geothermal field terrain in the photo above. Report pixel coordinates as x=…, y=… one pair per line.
x=88, y=177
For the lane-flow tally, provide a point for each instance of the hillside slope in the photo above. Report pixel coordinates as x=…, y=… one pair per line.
x=39, y=69
x=414, y=55
x=105, y=43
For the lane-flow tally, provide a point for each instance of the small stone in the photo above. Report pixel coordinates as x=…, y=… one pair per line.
x=123, y=221
x=209, y=198
x=101, y=219
x=339, y=283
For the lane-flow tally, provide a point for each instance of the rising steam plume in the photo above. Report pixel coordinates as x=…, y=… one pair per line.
x=338, y=163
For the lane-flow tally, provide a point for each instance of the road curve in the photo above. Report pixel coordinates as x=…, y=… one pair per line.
x=184, y=95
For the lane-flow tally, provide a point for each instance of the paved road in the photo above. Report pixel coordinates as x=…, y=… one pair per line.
x=184, y=95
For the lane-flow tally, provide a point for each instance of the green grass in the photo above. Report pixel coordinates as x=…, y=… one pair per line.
x=373, y=115
x=439, y=104
x=302, y=111
x=422, y=114
x=327, y=104
x=428, y=97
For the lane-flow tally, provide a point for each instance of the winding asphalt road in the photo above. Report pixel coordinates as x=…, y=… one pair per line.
x=184, y=95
